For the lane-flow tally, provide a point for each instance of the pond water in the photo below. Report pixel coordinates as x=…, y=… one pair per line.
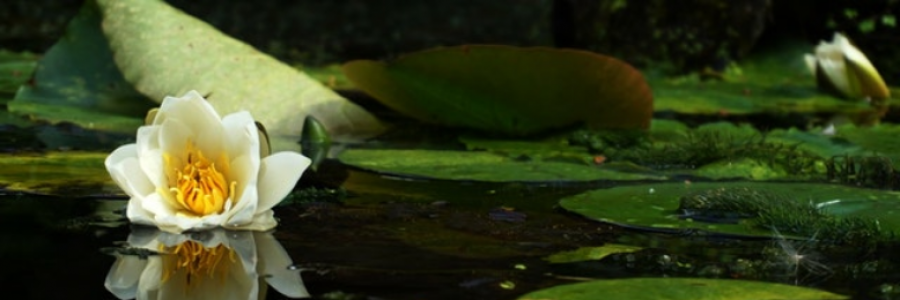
x=392, y=238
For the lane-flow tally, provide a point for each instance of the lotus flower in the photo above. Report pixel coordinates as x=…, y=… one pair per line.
x=840, y=67
x=192, y=170
x=215, y=264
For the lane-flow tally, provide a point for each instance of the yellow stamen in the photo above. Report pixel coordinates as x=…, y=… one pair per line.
x=191, y=261
x=196, y=184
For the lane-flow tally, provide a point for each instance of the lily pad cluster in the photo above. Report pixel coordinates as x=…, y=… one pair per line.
x=670, y=149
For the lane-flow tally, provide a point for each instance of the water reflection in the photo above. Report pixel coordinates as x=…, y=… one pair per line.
x=216, y=264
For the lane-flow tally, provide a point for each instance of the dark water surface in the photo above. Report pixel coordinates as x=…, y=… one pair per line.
x=400, y=239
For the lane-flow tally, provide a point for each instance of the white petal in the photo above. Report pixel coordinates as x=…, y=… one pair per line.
x=836, y=72
x=179, y=223
x=136, y=212
x=124, y=169
x=158, y=205
x=191, y=106
x=810, y=63
x=242, y=137
x=198, y=115
x=278, y=173
x=262, y=221
x=243, y=211
x=273, y=265
x=144, y=237
x=244, y=171
x=244, y=244
x=174, y=136
x=151, y=278
x=150, y=155
x=123, y=276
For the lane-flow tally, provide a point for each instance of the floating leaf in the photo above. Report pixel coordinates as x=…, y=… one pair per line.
x=479, y=166
x=679, y=289
x=654, y=206
x=509, y=90
x=77, y=81
x=164, y=52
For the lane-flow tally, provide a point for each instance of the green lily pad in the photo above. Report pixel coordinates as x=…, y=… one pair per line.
x=165, y=52
x=679, y=289
x=77, y=77
x=479, y=166
x=774, y=82
x=57, y=173
x=590, y=253
x=654, y=206
x=509, y=90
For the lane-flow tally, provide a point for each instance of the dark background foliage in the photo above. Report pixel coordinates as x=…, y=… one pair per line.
x=679, y=36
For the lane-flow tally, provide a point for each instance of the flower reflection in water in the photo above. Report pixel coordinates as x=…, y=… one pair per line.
x=216, y=264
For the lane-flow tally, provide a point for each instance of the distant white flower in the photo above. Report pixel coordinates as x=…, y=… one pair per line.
x=192, y=170
x=840, y=67
x=216, y=264
x=830, y=130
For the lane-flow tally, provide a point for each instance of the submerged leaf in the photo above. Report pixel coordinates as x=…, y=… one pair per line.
x=163, y=52
x=509, y=90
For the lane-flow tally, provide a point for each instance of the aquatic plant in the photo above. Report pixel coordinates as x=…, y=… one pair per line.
x=798, y=257
x=698, y=148
x=873, y=171
x=841, y=68
x=191, y=169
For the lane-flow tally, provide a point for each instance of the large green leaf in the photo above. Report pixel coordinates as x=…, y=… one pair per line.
x=77, y=81
x=508, y=89
x=679, y=289
x=479, y=166
x=165, y=52
x=654, y=206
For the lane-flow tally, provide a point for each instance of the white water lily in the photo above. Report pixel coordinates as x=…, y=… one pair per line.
x=216, y=264
x=841, y=67
x=191, y=170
